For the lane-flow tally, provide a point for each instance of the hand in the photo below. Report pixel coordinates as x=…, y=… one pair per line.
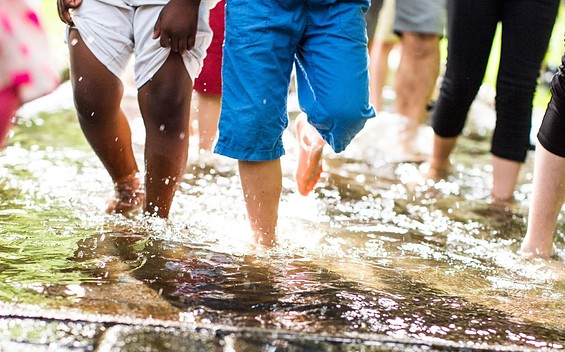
x=177, y=25
x=63, y=7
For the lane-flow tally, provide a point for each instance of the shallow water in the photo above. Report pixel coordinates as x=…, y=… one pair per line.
x=372, y=254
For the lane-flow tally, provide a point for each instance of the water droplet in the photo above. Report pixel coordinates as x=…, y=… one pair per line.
x=264, y=101
x=167, y=181
x=80, y=78
x=115, y=140
x=92, y=113
x=182, y=136
x=74, y=42
x=162, y=128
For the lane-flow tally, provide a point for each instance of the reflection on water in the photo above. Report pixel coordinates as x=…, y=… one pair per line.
x=371, y=253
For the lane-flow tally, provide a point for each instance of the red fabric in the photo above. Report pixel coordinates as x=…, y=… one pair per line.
x=210, y=79
x=9, y=103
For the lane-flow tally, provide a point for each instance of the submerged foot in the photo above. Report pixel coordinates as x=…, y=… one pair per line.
x=502, y=206
x=435, y=172
x=409, y=134
x=129, y=196
x=531, y=249
x=310, y=147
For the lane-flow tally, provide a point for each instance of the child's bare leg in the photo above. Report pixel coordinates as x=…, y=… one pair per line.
x=439, y=164
x=505, y=175
x=9, y=103
x=262, y=186
x=547, y=198
x=208, y=115
x=310, y=148
x=165, y=106
x=416, y=75
x=380, y=51
x=97, y=95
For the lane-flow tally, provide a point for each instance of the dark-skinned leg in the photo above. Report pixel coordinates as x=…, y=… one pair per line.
x=165, y=106
x=98, y=94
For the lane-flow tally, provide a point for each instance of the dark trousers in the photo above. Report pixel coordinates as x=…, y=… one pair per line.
x=526, y=29
x=552, y=128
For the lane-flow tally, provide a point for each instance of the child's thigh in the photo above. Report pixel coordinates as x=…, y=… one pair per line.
x=107, y=31
x=150, y=55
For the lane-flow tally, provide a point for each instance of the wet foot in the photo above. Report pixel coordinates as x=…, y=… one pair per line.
x=129, y=196
x=531, y=250
x=310, y=147
x=434, y=172
x=502, y=206
x=408, y=134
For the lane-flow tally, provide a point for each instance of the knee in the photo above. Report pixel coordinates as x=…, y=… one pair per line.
x=419, y=45
x=94, y=103
x=459, y=90
x=167, y=110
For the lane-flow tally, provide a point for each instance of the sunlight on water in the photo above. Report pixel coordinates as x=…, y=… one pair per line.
x=374, y=250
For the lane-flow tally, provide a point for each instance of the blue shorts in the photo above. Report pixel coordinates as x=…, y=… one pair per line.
x=327, y=41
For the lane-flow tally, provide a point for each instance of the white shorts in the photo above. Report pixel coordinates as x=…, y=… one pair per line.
x=113, y=30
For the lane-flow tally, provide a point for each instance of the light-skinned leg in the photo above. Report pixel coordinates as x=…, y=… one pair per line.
x=505, y=176
x=548, y=196
x=439, y=164
x=380, y=51
x=415, y=80
x=310, y=149
x=207, y=113
x=262, y=186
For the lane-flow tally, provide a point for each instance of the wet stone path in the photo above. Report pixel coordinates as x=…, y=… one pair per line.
x=373, y=260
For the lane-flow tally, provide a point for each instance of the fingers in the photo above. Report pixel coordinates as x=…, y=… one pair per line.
x=175, y=45
x=157, y=28
x=173, y=33
x=63, y=12
x=63, y=7
x=164, y=40
x=182, y=45
x=190, y=42
x=73, y=4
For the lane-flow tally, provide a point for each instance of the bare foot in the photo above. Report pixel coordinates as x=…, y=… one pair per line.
x=435, y=172
x=310, y=147
x=530, y=249
x=129, y=196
